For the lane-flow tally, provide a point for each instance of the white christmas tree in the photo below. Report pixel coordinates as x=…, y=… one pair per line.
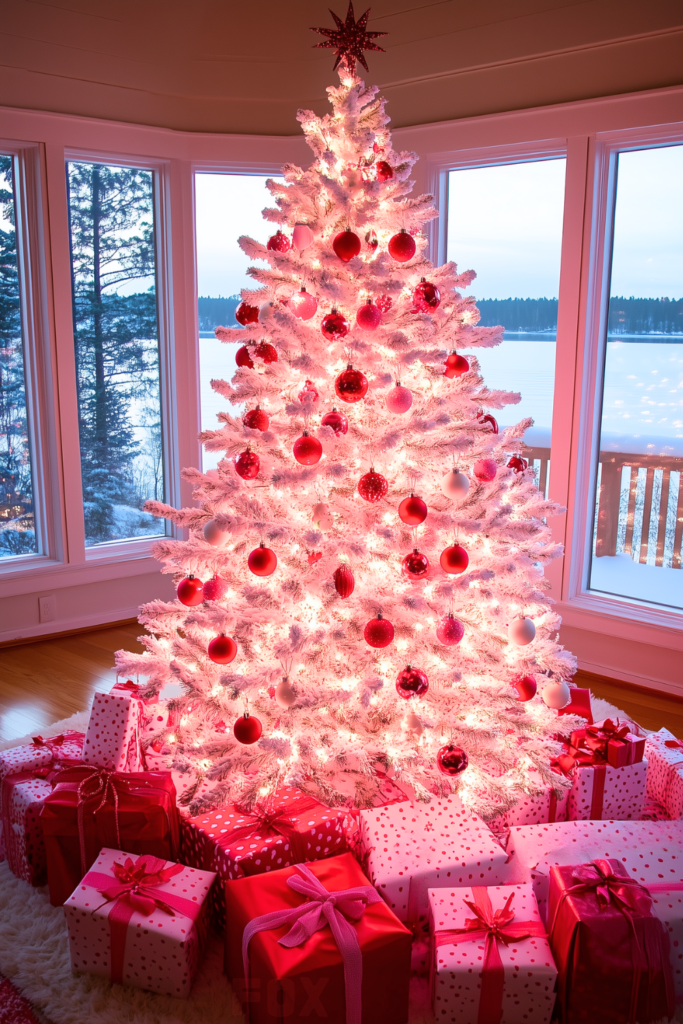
x=362, y=594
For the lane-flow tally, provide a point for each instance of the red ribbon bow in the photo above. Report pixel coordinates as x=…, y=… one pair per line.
x=52, y=741
x=281, y=821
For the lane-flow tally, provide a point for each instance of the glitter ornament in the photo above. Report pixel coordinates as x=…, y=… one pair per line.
x=455, y=365
x=369, y=316
x=426, y=297
x=451, y=760
x=242, y=357
x=346, y=245
x=415, y=565
x=518, y=464
x=222, y=649
x=402, y=246
x=344, y=582
x=247, y=729
x=279, y=242
x=485, y=470
x=491, y=420
x=455, y=484
x=322, y=517
x=247, y=465
x=521, y=631
x=384, y=170
x=351, y=385
x=371, y=240
x=372, y=486
x=336, y=421
x=266, y=352
x=384, y=303
x=526, y=687
x=378, y=632
x=556, y=695
x=307, y=450
x=191, y=591
x=215, y=535
x=450, y=631
x=412, y=511
x=399, y=399
x=284, y=694
x=246, y=314
x=302, y=237
x=256, y=419
x=215, y=588
x=262, y=561
x=334, y=326
x=454, y=559
x=303, y=305
x=411, y=682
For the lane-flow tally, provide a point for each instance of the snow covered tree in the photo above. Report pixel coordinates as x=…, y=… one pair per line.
x=364, y=569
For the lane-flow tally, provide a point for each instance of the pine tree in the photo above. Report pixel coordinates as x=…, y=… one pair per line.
x=333, y=722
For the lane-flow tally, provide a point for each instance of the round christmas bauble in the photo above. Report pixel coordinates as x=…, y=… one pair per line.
x=214, y=535
x=351, y=385
x=344, y=582
x=411, y=682
x=526, y=687
x=402, y=246
x=455, y=366
x=191, y=591
x=454, y=559
x=371, y=240
x=256, y=419
x=336, y=421
x=451, y=760
x=426, y=297
x=372, y=486
x=384, y=170
x=308, y=395
x=384, y=303
x=346, y=245
x=242, y=357
x=247, y=465
x=485, y=470
x=247, y=729
x=302, y=237
x=284, y=694
x=414, y=725
x=307, y=450
x=556, y=695
x=522, y=631
x=412, y=511
x=303, y=305
x=262, y=561
x=246, y=314
x=378, y=632
x=265, y=312
x=518, y=464
x=415, y=565
x=491, y=420
x=279, y=242
x=215, y=588
x=455, y=484
x=450, y=631
x=266, y=352
x=369, y=316
x=399, y=399
x=334, y=326
x=222, y=650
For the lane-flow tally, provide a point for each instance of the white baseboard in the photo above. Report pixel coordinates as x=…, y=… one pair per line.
x=656, y=685
x=65, y=625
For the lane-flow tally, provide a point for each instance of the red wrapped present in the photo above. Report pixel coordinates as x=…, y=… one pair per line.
x=579, y=704
x=114, y=736
x=316, y=940
x=235, y=843
x=601, y=790
x=90, y=808
x=611, y=952
x=613, y=742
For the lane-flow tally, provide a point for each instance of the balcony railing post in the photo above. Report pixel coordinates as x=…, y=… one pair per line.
x=608, y=510
x=663, y=509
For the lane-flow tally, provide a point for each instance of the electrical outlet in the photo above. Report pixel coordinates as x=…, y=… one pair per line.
x=48, y=608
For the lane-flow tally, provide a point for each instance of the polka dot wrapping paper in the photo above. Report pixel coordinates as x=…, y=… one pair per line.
x=113, y=739
x=665, y=771
x=39, y=754
x=605, y=793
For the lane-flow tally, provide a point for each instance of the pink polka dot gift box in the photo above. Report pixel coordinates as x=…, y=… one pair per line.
x=113, y=737
x=40, y=753
x=140, y=921
x=665, y=771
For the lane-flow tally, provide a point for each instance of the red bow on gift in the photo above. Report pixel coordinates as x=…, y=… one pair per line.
x=281, y=821
x=136, y=882
x=52, y=741
x=673, y=744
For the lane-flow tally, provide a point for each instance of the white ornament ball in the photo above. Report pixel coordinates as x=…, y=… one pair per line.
x=284, y=694
x=521, y=631
x=322, y=517
x=266, y=311
x=302, y=236
x=556, y=695
x=214, y=535
x=414, y=724
x=455, y=484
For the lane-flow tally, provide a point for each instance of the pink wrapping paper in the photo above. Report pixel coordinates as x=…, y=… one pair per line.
x=113, y=738
x=162, y=950
x=410, y=848
x=623, y=795
x=22, y=828
x=528, y=966
x=533, y=809
x=665, y=771
x=39, y=754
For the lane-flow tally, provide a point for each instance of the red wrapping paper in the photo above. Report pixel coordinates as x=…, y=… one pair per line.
x=307, y=982
x=90, y=808
x=579, y=704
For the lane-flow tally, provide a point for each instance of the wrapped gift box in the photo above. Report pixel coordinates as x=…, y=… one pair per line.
x=113, y=738
x=90, y=808
x=410, y=848
x=154, y=939
x=579, y=704
x=23, y=797
x=665, y=771
x=534, y=808
x=601, y=792
x=55, y=750
x=467, y=988
x=307, y=980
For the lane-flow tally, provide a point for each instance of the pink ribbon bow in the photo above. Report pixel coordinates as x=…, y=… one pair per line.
x=321, y=909
x=53, y=741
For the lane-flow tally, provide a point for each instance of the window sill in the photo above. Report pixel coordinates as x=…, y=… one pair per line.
x=114, y=551
x=624, y=618
x=51, y=575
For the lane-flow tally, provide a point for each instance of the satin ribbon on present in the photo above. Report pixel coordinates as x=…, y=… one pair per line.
x=493, y=927
x=52, y=741
x=135, y=888
x=281, y=821
x=573, y=757
x=321, y=909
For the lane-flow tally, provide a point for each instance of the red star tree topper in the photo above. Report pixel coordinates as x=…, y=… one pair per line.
x=349, y=40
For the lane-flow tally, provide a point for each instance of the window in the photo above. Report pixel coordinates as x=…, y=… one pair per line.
x=17, y=524
x=111, y=215
x=639, y=514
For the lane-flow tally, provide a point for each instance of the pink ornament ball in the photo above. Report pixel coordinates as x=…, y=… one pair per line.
x=307, y=450
x=334, y=326
x=346, y=245
x=526, y=687
x=242, y=357
x=412, y=511
x=303, y=305
x=344, y=582
x=402, y=246
x=262, y=561
x=455, y=484
x=450, y=631
x=215, y=588
x=351, y=385
x=426, y=297
x=451, y=760
x=522, y=631
x=454, y=559
x=246, y=314
x=191, y=591
x=369, y=316
x=372, y=486
x=485, y=470
x=556, y=695
x=385, y=171
x=336, y=421
x=399, y=399
x=266, y=352
x=378, y=632
x=415, y=565
x=247, y=465
x=256, y=419
x=411, y=682
x=247, y=729
x=279, y=242
x=455, y=366
x=222, y=650
x=302, y=237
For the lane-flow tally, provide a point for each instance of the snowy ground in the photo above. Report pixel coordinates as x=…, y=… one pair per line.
x=622, y=576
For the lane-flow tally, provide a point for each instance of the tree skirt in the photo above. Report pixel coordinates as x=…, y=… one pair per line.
x=14, y=1009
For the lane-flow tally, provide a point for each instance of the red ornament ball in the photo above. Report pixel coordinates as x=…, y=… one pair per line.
x=266, y=352
x=449, y=631
x=191, y=591
x=242, y=357
x=454, y=559
x=402, y=246
x=246, y=314
x=222, y=650
x=378, y=632
x=307, y=450
x=279, y=243
x=411, y=682
x=309, y=393
x=526, y=687
x=451, y=760
x=346, y=245
x=491, y=420
x=399, y=399
x=334, y=326
x=485, y=470
x=262, y=561
x=455, y=366
x=369, y=316
x=303, y=305
x=256, y=419
x=518, y=463
x=412, y=511
x=384, y=170
x=384, y=303
x=415, y=565
x=351, y=385
x=247, y=465
x=344, y=582
x=426, y=297
x=337, y=421
x=372, y=486
x=215, y=588
x=247, y=729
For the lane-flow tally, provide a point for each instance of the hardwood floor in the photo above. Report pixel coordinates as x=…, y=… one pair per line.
x=47, y=680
